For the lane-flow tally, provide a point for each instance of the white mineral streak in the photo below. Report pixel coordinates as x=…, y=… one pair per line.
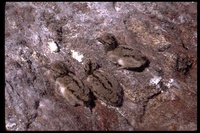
x=77, y=56
x=121, y=112
x=108, y=106
x=53, y=46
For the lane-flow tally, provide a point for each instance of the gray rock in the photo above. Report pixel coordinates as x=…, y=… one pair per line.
x=163, y=96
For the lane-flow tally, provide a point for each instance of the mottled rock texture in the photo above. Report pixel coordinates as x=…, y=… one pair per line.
x=163, y=96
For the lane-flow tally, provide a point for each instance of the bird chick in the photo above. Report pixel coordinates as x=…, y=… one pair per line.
x=69, y=86
x=127, y=57
x=103, y=84
x=109, y=41
x=73, y=90
x=124, y=55
x=59, y=69
x=105, y=87
x=90, y=65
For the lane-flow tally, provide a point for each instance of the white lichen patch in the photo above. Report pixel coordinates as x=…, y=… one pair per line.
x=171, y=83
x=53, y=46
x=77, y=56
x=155, y=80
x=117, y=9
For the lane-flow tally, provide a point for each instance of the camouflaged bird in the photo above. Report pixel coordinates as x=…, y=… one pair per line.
x=124, y=55
x=70, y=86
x=103, y=84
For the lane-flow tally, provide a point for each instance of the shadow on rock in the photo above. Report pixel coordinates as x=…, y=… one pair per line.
x=141, y=68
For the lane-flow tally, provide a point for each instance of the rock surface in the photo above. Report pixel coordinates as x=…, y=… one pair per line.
x=161, y=97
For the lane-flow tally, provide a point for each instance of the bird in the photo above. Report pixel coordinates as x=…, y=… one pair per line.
x=124, y=55
x=69, y=85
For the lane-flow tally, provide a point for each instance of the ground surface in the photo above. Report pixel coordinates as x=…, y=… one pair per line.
x=162, y=97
